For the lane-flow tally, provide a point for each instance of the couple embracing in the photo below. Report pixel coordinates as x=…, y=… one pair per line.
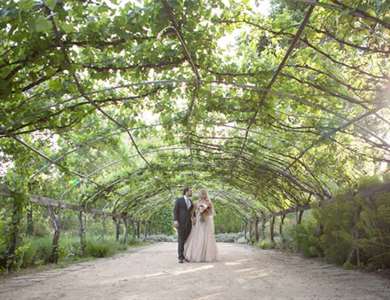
x=195, y=228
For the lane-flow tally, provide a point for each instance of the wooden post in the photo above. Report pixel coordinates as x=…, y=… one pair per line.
x=134, y=228
x=126, y=233
x=300, y=215
x=245, y=230
x=138, y=229
x=282, y=217
x=320, y=228
x=250, y=230
x=117, y=222
x=145, y=229
x=103, y=226
x=30, y=221
x=82, y=233
x=271, y=227
x=55, y=221
x=263, y=221
x=13, y=237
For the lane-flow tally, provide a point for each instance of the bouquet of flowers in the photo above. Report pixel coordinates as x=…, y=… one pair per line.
x=204, y=210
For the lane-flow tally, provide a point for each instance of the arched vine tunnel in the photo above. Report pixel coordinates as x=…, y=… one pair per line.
x=116, y=105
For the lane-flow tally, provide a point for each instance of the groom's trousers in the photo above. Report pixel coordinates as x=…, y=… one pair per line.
x=183, y=233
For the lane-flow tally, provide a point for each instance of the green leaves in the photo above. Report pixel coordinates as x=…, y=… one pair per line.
x=42, y=24
x=5, y=88
x=55, y=85
x=67, y=27
x=26, y=5
x=51, y=4
x=247, y=124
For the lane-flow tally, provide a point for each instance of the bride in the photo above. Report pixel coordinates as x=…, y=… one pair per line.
x=201, y=245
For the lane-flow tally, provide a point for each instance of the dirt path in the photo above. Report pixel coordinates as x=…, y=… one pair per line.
x=242, y=273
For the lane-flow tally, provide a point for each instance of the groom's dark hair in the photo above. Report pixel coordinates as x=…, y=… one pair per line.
x=186, y=189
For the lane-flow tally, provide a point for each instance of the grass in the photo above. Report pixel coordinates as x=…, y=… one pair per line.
x=34, y=253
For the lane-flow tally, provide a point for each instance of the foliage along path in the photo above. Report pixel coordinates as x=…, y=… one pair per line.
x=242, y=272
x=277, y=110
x=269, y=112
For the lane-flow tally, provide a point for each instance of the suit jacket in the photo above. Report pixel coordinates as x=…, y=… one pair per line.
x=181, y=213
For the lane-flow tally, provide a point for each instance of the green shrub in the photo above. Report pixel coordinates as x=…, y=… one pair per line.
x=386, y=177
x=3, y=251
x=337, y=221
x=265, y=244
x=241, y=240
x=37, y=251
x=160, y=238
x=69, y=247
x=34, y=251
x=356, y=227
x=369, y=181
x=353, y=230
x=98, y=249
x=103, y=248
x=41, y=230
x=228, y=237
x=133, y=241
x=374, y=229
x=305, y=239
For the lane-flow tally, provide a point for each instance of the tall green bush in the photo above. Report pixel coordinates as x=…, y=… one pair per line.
x=374, y=225
x=356, y=226
x=305, y=239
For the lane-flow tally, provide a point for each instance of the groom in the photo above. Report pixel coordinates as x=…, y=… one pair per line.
x=182, y=220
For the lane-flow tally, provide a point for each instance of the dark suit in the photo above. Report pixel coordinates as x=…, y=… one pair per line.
x=182, y=215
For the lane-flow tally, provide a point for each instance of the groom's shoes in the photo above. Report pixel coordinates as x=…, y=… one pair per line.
x=180, y=261
x=186, y=260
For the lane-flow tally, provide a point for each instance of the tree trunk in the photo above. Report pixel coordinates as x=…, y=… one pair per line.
x=282, y=217
x=257, y=233
x=272, y=228
x=82, y=233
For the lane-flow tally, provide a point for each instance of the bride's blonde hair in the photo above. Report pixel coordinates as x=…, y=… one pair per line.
x=204, y=195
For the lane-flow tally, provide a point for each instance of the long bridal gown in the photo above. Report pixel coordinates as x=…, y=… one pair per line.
x=201, y=245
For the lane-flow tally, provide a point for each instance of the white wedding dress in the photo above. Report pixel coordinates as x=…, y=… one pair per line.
x=201, y=245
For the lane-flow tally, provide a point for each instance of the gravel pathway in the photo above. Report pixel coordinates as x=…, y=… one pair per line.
x=242, y=272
